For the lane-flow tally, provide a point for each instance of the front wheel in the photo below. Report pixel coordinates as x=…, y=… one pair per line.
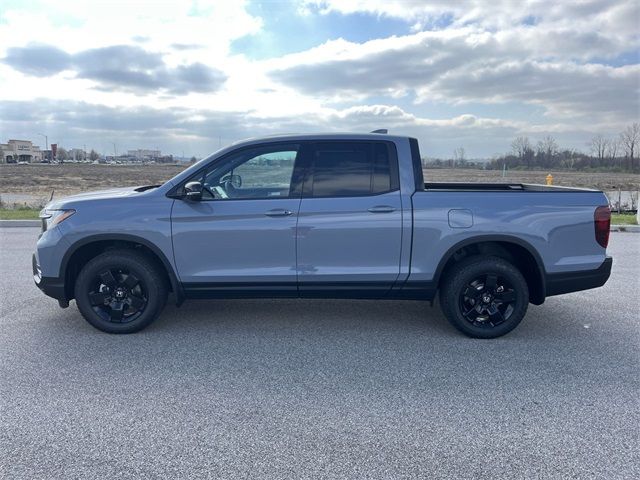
x=120, y=291
x=484, y=297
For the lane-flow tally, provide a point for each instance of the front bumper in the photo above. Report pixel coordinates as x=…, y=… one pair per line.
x=51, y=286
x=566, y=282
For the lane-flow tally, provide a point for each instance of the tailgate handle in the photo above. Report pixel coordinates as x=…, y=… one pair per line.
x=278, y=212
x=382, y=209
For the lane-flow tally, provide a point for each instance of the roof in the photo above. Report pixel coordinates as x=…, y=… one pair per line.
x=292, y=137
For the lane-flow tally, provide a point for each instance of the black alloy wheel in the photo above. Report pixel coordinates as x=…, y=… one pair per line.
x=487, y=301
x=484, y=297
x=121, y=291
x=118, y=296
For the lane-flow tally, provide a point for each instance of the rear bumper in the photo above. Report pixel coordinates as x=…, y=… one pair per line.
x=51, y=286
x=566, y=282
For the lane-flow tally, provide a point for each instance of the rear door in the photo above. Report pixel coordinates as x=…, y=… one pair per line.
x=350, y=220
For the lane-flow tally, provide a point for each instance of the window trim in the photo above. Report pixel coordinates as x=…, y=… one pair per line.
x=394, y=170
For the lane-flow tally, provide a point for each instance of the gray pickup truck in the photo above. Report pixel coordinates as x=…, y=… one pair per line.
x=329, y=216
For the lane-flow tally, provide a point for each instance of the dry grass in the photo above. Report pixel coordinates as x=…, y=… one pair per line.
x=38, y=180
x=66, y=179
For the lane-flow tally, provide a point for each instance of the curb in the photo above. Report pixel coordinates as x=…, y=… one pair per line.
x=37, y=223
x=20, y=223
x=625, y=228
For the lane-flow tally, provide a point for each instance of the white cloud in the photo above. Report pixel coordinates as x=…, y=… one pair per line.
x=197, y=130
x=471, y=64
x=118, y=67
x=167, y=74
x=617, y=18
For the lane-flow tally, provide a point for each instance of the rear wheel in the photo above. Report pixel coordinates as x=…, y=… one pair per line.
x=120, y=291
x=484, y=297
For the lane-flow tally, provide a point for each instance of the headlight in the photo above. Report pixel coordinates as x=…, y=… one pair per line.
x=51, y=218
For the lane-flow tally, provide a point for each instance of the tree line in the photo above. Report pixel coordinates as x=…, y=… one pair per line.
x=63, y=154
x=619, y=153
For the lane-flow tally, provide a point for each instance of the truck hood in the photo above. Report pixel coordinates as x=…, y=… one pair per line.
x=111, y=193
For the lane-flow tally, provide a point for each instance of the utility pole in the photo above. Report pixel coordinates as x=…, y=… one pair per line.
x=115, y=153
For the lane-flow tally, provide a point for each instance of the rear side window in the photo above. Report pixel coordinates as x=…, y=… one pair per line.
x=340, y=169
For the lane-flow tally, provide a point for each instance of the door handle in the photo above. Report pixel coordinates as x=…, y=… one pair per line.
x=382, y=209
x=278, y=212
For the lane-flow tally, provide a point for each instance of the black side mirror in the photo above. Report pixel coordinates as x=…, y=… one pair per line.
x=193, y=191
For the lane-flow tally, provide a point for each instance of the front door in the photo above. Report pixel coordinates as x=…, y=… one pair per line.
x=350, y=220
x=240, y=238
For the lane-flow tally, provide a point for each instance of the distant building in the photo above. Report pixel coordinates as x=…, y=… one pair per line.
x=143, y=154
x=77, y=154
x=19, y=151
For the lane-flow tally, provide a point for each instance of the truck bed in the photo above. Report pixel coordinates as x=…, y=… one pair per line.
x=499, y=187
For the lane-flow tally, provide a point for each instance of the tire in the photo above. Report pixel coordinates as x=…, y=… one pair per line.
x=484, y=297
x=120, y=291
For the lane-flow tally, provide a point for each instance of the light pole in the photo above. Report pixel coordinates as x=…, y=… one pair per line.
x=46, y=142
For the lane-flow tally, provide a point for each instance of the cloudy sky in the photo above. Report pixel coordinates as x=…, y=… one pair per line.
x=186, y=76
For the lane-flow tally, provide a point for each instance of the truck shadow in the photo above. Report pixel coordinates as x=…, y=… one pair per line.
x=304, y=313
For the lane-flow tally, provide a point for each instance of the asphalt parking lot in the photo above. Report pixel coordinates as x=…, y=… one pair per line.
x=319, y=389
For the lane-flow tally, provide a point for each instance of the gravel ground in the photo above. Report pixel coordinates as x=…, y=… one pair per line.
x=319, y=389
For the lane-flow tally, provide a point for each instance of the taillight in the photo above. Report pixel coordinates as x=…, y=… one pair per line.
x=602, y=224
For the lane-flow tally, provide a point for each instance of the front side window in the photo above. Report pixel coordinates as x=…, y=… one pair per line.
x=352, y=169
x=261, y=172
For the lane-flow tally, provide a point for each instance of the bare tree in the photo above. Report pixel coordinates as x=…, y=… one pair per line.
x=568, y=158
x=599, y=146
x=612, y=148
x=629, y=139
x=523, y=150
x=546, y=152
x=633, y=197
x=569, y=162
x=62, y=154
x=521, y=146
x=549, y=146
x=458, y=155
x=547, y=149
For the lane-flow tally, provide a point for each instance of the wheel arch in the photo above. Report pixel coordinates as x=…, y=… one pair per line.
x=91, y=246
x=520, y=252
